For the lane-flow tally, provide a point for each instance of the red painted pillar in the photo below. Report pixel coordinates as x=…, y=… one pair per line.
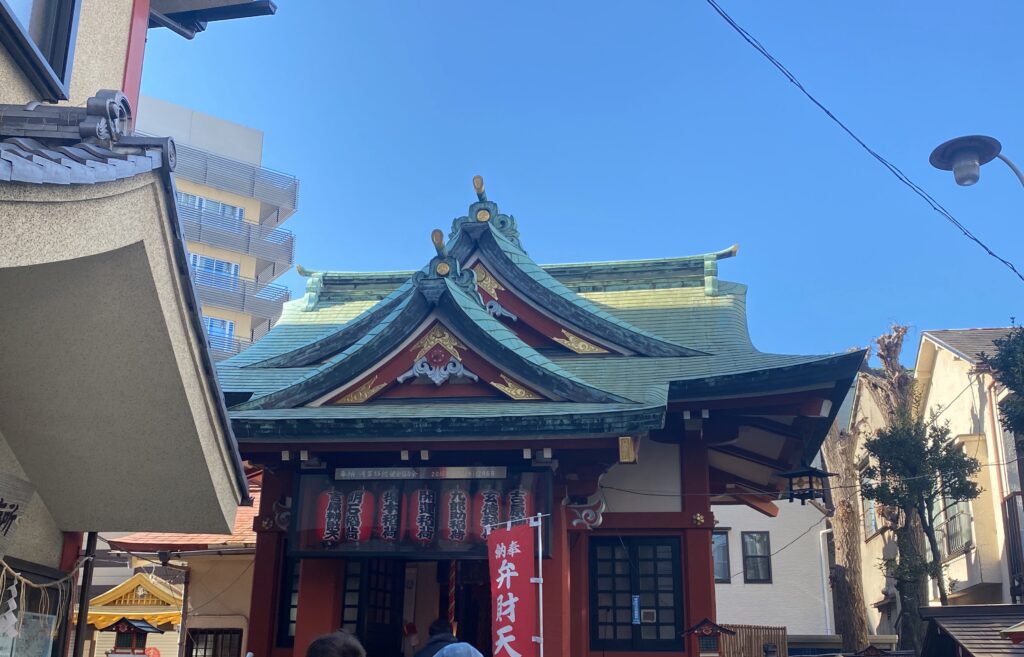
x=321, y=590
x=132, y=80
x=267, y=565
x=698, y=566
x=579, y=604
x=556, y=588
x=71, y=548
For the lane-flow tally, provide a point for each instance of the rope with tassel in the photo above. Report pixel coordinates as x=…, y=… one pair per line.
x=452, y=566
x=17, y=585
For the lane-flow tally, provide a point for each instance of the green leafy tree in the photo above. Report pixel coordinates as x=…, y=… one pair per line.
x=919, y=470
x=1007, y=367
x=916, y=473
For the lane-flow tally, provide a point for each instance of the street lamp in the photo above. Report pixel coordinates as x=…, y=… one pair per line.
x=965, y=155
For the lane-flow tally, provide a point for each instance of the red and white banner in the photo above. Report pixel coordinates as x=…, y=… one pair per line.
x=512, y=554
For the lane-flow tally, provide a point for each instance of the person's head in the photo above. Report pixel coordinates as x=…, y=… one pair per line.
x=440, y=626
x=337, y=644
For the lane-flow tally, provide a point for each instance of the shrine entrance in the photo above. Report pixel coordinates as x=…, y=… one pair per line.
x=428, y=592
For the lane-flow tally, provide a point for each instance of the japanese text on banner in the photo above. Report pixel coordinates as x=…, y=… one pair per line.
x=512, y=555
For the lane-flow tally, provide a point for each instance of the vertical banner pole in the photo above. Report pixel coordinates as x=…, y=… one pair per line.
x=538, y=522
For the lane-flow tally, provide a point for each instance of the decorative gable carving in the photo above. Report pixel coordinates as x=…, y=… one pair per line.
x=435, y=364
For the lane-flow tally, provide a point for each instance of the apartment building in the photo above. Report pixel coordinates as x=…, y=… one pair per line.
x=231, y=210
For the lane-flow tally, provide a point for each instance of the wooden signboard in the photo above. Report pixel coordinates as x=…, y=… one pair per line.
x=15, y=494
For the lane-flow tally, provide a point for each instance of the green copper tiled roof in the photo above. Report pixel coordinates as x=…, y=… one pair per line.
x=524, y=262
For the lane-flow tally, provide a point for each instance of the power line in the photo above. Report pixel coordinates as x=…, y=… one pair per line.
x=893, y=169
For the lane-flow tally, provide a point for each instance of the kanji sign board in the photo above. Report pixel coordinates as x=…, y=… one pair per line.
x=512, y=554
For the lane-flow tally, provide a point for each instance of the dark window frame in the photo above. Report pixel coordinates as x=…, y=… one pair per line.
x=134, y=639
x=867, y=505
x=49, y=72
x=728, y=558
x=767, y=557
x=190, y=644
x=632, y=545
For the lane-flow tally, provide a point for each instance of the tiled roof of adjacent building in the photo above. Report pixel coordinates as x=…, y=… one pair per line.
x=968, y=343
x=242, y=535
x=975, y=628
x=50, y=144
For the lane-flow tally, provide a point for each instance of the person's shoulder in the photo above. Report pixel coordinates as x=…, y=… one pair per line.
x=460, y=649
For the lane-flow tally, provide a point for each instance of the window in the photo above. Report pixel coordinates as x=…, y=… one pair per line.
x=214, y=643
x=221, y=332
x=720, y=554
x=708, y=645
x=222, y=273
x=757, y=559
x=641, y=569
x=868, y=512
x=40, y=35
x=130, y=641
x=954, y=531
x=350, y=605
x=289, y=606
x=213, y=207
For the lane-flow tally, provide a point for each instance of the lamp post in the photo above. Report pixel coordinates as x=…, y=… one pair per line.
x=965, y=155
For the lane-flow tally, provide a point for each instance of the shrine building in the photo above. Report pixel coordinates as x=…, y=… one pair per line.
x=399, y=414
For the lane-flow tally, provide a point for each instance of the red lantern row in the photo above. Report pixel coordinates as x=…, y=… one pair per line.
x=355, y=517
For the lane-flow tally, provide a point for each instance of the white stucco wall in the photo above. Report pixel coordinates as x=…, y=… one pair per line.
x=795, y=598
x=220, y=593
x=654, y=480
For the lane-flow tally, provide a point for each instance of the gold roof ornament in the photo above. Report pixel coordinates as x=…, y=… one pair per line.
x=478, y=187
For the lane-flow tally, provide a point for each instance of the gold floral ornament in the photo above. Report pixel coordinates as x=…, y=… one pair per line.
x=577, y=344
x=363, y=392
x=439, y=335
x=514, y=389
x=698, y=519
x=443, y=269
x=483, y=215
x=486, y=282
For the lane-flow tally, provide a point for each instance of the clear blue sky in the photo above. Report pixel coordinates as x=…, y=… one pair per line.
x=641, y=130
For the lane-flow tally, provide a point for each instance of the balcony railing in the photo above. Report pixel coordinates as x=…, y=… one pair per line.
x=274, y=244
x=238, y=177
x=221, y=348
x=242, y=294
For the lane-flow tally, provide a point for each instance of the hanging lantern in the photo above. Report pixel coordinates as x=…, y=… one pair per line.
x=455, y=515
x=519, y=503
x=486, y=512
x=421, y=515
x=806, y=482
x=358, y=516
x=389, y=515
x=329, y=510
